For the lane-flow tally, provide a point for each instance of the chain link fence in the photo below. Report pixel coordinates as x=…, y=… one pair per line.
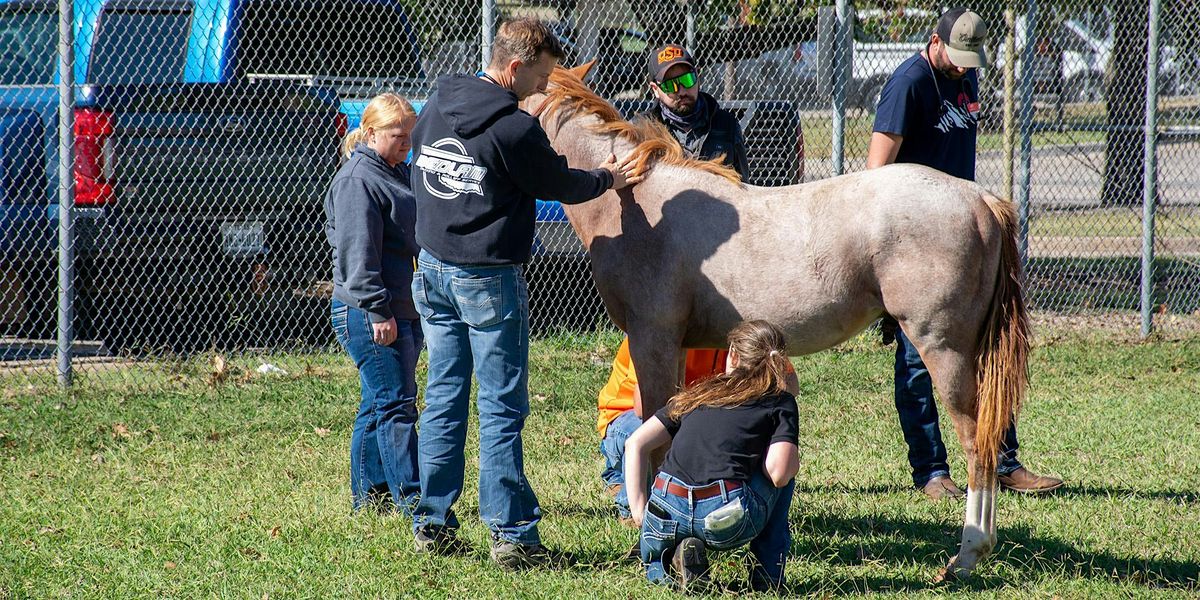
x=205, y=133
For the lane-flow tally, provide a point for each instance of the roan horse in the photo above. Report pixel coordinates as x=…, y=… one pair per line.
x=684, y=256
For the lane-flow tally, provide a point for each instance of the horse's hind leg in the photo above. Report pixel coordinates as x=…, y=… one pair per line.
x=954, y=375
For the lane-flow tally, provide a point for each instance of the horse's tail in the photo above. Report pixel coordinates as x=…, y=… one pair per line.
x=1002, y=357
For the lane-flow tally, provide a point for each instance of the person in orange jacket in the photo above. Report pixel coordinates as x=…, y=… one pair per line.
x=618, y=417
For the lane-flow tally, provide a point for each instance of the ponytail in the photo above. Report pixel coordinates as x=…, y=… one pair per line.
x=762, y=369
x=351, y=140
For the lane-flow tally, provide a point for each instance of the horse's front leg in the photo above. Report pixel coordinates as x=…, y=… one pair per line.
x=658, y=362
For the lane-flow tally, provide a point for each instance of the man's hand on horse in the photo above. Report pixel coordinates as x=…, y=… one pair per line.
x=625, y=172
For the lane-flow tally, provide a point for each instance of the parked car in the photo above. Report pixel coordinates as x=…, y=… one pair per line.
x=200, y=168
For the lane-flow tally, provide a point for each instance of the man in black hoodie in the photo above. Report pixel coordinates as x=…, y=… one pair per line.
x=703, y=128
x=479, y=162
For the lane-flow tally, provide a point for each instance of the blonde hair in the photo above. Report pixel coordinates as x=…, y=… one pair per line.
x=383, y=111
x=524, y=40
x=761, y=370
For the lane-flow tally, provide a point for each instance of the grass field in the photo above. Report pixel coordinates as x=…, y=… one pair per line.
x=818, y=136
x=235, y=485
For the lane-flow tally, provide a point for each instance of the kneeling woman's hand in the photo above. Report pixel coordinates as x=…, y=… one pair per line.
x=646, y=439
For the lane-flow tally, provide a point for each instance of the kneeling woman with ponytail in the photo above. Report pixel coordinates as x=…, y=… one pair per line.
x=728, y=477
x=370, y=221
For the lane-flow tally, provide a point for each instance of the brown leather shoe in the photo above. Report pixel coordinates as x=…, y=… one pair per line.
x=942, y=487
x=1027, y=482
x=612, y=490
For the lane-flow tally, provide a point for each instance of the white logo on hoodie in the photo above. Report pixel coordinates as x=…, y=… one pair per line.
x=455, y=172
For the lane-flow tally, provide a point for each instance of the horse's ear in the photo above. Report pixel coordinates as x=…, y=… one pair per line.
x=582, y=70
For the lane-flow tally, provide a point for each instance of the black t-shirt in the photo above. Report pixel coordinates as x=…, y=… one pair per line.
x=710, y=443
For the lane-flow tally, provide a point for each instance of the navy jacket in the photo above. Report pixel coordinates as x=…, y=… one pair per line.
x=479, y=162
x=720, y=134
x=370, y=222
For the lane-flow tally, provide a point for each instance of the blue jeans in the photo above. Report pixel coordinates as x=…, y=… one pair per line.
x=764, y=524
x=383, y=444
x=919, y=419
x=476, y=319
x=612, y=447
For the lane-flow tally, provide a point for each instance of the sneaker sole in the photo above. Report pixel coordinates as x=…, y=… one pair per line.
x=691, y=561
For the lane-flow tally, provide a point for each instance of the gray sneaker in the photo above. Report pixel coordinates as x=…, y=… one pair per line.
x=440, y=540
x=513, y=556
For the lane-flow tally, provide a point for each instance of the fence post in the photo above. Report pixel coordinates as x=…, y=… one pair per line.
x=66, y=188
x=1010, y=87
x=1026, y=128
x=689, y=34
x=843, y=38
x=1150, y=177
x=489, y=32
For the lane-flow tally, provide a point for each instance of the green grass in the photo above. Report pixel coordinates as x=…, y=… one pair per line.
x=157, y=482
x=1115, y=222
x=1077, y=121
x=818, y=136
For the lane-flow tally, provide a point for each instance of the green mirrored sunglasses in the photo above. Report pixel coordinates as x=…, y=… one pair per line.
x=670, y=86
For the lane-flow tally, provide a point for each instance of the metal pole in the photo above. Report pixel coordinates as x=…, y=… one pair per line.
x=489, y=32
x=66, y=188
x=1026, y=126
x=841, y=63
x=1150, y=181
x=690, y=32
x=1010, y=88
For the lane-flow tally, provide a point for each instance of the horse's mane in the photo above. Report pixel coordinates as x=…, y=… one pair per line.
x=653, y=142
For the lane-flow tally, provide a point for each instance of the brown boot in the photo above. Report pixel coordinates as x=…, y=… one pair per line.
x=1027, y=482
x=942, y=487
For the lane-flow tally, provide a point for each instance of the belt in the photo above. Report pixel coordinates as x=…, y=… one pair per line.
x=698, y=493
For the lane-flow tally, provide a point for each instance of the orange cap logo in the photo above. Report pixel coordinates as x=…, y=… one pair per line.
x=669, y=53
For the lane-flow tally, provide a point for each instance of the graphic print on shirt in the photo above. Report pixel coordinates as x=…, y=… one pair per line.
x=963, y=114
x=453, y=171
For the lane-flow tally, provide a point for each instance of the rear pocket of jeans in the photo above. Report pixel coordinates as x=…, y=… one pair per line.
x=421, y=296
x=480, y=300
x=337, y=318
x=726, y=526
x=655, y=526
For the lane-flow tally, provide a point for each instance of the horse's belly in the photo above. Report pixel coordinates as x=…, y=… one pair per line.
x=811, y=323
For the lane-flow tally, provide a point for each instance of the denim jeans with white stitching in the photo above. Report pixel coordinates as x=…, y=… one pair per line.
x=476, y=322
x=383, y=443
x=669, y=519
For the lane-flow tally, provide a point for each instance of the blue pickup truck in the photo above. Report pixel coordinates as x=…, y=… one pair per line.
x=206, y=133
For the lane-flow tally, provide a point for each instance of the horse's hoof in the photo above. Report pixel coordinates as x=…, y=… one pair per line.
x=946, y=575
x=952, y=572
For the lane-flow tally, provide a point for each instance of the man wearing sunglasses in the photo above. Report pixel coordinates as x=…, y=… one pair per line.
x=703, y=128
x=928, y=112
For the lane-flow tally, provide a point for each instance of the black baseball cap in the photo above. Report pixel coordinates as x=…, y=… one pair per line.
x=662, y=59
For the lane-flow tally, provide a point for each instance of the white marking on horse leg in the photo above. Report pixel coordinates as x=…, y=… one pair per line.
x=979, y=528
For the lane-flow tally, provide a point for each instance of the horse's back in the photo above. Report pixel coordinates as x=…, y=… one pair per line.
x=825, y=258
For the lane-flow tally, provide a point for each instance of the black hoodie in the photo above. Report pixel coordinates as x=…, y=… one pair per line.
x=479, y=162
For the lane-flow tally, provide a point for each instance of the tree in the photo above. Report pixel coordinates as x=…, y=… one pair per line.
x=1124, y=167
